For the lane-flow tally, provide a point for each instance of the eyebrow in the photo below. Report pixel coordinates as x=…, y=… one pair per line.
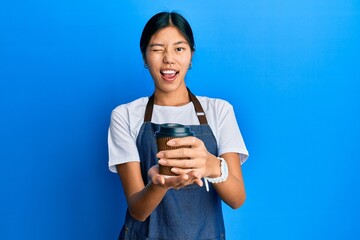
x=156, y=45
x=162, y=45
x=180, y=42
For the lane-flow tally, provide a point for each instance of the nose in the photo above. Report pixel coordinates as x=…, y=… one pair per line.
x=169, y=57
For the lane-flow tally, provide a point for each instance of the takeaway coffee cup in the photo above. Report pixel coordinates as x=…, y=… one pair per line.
x=166, y=132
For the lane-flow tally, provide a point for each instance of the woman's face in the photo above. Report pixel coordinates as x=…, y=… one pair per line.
x=168, y=56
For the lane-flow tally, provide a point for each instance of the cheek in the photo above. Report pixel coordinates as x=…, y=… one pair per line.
x=153, y=71
x=153, y=60
x=185, y=60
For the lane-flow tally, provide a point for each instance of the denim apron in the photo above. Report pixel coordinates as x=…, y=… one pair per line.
x=188, y=213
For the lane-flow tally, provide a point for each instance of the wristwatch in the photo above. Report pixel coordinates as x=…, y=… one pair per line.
x=224, y=172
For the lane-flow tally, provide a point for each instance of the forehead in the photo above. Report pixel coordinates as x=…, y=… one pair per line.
x=169, y=34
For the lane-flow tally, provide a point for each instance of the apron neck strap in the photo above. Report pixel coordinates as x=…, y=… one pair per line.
x=198, y=108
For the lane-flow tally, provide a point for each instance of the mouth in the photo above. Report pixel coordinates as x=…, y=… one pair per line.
x=169, y=74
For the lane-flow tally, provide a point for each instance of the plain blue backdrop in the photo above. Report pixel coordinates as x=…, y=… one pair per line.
x=290, y=69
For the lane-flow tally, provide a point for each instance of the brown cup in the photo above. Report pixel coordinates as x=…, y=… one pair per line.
x=166, y=132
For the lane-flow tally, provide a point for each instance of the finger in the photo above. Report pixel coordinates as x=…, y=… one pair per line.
x=175, y=181
x=190, y=181
x=179, y=171
x=193, y=181
x=184, y=153
x=184, y=184
x=192, y=173
x=154, y=170
x=155, y=177
x=182, y=163
x=194, y=178
x=185, y=141
x=199, y=182
x=184, y=180
x=158, y=180
x=176, y=153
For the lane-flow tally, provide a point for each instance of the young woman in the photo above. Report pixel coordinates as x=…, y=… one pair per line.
x=177, y=207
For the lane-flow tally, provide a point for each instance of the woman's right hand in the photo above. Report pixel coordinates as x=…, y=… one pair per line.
x=174, y=182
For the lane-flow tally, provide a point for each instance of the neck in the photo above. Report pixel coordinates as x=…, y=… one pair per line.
x=175, y=98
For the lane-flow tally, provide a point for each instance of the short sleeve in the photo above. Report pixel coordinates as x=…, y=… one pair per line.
x=121, y=141
x=230, y=138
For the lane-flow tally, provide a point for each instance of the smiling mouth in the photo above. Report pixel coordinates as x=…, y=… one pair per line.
x=169, y=74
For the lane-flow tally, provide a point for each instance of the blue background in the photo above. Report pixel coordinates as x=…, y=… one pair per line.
x=290, y=69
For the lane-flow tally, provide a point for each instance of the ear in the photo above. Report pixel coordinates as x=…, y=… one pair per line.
x=144, y=59
x=192, y=54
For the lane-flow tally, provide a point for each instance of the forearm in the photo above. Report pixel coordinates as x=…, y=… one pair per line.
x=142, y=200
x=143, y=203
x=232, y=191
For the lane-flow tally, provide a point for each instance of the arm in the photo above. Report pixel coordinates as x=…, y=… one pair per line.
x=141, y=199
x=232, y=191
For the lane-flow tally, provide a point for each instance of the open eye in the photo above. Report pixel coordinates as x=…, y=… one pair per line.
x=180, y=49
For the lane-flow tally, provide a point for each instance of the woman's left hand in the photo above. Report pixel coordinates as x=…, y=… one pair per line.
x=200, y=163
x=192, y=158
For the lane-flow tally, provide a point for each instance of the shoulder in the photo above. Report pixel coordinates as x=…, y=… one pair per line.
x=214, y=104
x=129, y=115
x=140, y=102
x=133, y=108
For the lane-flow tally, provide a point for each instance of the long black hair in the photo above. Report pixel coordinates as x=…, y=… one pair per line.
x=162, y=20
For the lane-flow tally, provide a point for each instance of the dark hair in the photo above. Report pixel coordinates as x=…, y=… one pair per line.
x=162, y=20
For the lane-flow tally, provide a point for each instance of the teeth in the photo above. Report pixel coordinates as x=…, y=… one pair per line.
x=168, y=71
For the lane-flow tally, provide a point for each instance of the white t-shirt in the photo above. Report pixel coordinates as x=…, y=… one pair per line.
x=126, y=120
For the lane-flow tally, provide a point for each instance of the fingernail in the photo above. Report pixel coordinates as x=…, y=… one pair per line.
x=174, y=170
x=162, y=162
x=171, y=143
x=160, y=155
